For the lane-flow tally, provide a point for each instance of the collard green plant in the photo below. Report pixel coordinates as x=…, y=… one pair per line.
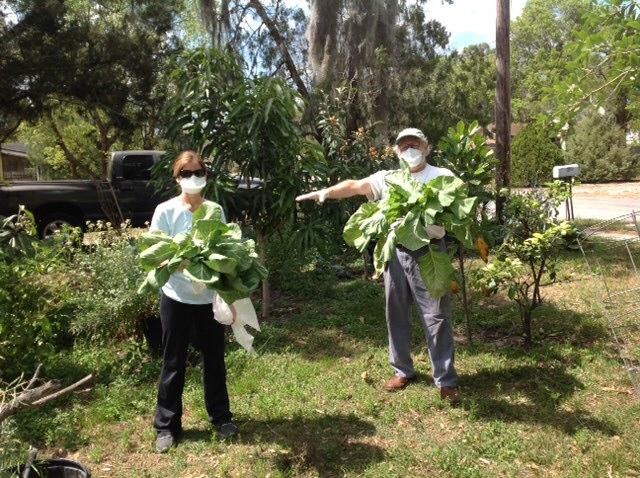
x=402, y=218
x=213, y=254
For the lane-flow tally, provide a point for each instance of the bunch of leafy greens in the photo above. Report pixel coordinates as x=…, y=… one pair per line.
x=402, y=218
x=213, y=253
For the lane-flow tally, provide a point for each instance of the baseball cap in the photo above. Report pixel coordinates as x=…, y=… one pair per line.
x=411, y=132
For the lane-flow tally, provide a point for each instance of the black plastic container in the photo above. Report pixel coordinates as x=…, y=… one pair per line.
x=54, y=468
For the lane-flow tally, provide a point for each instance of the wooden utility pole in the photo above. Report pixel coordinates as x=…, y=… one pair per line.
x=503, y=102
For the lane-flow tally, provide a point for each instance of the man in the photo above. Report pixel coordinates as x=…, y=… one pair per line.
x=402, y=280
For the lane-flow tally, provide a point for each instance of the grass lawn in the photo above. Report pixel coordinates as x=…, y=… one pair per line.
x=311, y=402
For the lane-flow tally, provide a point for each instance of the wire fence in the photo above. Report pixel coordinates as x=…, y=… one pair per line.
x=612, y=252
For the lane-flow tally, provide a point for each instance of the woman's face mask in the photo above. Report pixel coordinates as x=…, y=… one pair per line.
x=412, y=156
x=193, y=184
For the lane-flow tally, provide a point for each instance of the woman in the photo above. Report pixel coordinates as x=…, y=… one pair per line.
x=183, y=304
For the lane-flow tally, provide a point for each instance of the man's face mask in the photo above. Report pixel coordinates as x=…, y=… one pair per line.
x=412, y=156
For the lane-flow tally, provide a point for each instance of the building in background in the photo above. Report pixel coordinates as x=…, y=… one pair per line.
x=15, y=164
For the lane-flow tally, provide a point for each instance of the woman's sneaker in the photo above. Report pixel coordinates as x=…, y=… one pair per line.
x=164, y=441
x=227, y=430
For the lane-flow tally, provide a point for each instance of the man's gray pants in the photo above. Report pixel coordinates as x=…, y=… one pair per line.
x=403, y=285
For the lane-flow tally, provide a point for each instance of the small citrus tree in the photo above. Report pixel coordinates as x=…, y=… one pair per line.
x=533, y=240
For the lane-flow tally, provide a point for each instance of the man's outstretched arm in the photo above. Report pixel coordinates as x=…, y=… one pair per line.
x=344, y=189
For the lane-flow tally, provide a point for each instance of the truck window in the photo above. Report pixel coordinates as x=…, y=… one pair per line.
x=137, y=166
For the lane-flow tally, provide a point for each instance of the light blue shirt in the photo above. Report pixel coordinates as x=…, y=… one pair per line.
x=173, y=217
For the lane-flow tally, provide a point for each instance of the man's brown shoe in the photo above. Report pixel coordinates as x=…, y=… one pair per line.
x=451, y=394
x=397, y=383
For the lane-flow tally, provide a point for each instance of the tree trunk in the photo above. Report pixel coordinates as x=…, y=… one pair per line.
x=465, y=301
x=74, y=163
x=263, y=242
x=526, y=325
x=284, y=51
x=622, y=115
x=503, y=104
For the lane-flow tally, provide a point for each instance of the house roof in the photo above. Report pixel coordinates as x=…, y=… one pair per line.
x=14, y=149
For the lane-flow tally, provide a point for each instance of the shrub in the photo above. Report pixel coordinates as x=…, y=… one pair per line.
x=464, y=151
x=107, y=305
x=35, y=310
x=599, y=146
x=533, y=157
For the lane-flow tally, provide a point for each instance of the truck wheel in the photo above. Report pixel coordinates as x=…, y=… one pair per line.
x=50, y=223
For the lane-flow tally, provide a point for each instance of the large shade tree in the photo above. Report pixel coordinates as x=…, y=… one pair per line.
x=604, y=63
x=540, y=37
x=102, y=60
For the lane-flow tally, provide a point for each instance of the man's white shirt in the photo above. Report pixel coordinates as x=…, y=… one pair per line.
x=379, y=187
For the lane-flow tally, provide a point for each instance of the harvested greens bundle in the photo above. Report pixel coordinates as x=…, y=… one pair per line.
x=213, y=253
x=402, y=218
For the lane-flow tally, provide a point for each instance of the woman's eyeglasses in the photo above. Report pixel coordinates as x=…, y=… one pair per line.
x=198, y=173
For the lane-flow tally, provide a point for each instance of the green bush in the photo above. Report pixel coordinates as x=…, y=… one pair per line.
x=107, y=305
x=35, y=310
x=599, y=146
x=533, y=156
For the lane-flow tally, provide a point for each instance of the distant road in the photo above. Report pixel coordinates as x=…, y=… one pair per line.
x=605, y=201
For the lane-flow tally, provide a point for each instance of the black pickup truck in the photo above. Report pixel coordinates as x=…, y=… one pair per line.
x=127, y=194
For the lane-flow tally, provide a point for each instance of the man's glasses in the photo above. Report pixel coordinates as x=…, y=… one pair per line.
x=198, y=173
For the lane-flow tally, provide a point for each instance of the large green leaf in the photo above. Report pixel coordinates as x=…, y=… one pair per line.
x=155, y=279
x=150, y=238
x=242, y=253
x=357, y=232
x=411, y=233
x=447, y=188
x=208, y=210
x=437, y=272
x=207, y=230
x=384, y=251
x=462, y=208
x=220, y=263
x=200, y=272
x=154, y=255
x=232, y=231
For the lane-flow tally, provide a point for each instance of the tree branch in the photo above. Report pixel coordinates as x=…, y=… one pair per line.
x=32, y=397
x=277, y=37
x=64, y=391
x=71, y=158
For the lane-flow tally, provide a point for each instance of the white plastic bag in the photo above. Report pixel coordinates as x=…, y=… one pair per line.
x=245, y=315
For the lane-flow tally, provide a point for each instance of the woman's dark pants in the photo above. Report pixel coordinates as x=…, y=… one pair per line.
x=177, y=319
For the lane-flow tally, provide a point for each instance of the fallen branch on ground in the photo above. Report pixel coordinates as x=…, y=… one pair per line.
x=31, y=396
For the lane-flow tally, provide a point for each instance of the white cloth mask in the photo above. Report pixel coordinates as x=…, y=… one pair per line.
x=413, y=157
x=192, y=185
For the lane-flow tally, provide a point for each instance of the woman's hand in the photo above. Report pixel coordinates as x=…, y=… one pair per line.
x=234, y=313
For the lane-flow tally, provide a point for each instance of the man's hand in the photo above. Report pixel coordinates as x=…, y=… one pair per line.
x=435, y=232
x=317, y=196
